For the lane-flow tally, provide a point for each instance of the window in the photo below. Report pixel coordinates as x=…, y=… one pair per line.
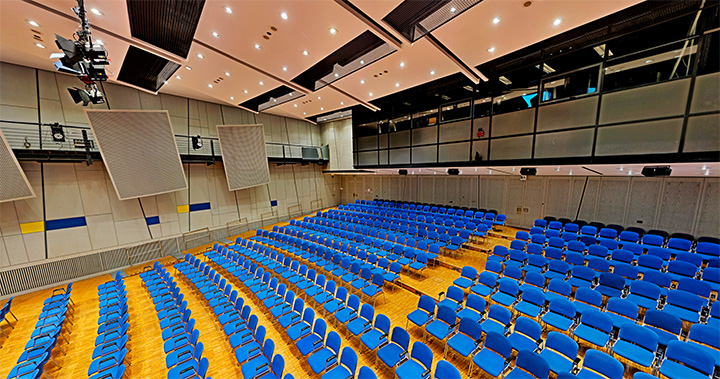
x=400, y=124
x=483, y=107
x=364, y=130
x=456, y=111
x=570, y=85
x=424, y=119
x=516, y=91
x=710, y=55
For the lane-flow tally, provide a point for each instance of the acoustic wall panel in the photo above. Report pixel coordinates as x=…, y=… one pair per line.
x=13, y=183
x=139, y=151
x=244, y=156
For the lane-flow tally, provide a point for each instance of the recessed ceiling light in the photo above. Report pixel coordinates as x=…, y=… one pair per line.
x=96, y=11
x=178, y=76
x=649, y=61
x=33, y=23
x=232, y=97
x=362, y=82
x=362, y=62
x=40, y=45
x=319, y=98
x=295, y=105
x=210, y=85
x=322, y=109
x=261, y=83
x=370, y=93
x=228, y=10
x=258, y=46
x=188, y=68
x=333, y=31
x=227, y=74
x=284, y=68
x=342, y=103
x=557, y=21
x=453, y=10
x=284, y=16
x=496, y=20
x=402, y=64
x=629, y=172
x=707, y=172
x=244, y=91
x=164, y=81
x=216, y=35
x=274, y=100
x=304, y=113
x=200, y=56
x=432, y=72
x=305, y=52
x=397, y=84
x=491, y=50
x=291, y=93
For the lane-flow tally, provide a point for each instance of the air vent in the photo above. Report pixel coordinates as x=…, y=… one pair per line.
x=416, y=18
x=146, y=70
x=354, y=55
x=167, y=24
x=272, y=98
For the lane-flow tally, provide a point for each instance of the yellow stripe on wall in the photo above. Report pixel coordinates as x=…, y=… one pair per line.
x=183, y=208
x=32, y=227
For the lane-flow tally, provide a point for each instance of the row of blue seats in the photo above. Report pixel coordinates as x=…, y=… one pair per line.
x=450, y=238
x=626, y=240
x=56, y=310
x=301, y=327
x=393, y=257
x=553, y=262
x=4, y=312
x=110, y=344
x=183, y=351
x=428, y=210
x=359, y=323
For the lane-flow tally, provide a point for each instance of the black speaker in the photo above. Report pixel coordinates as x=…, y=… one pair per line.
x=656, y=171
x=453, y=171
x=402, y=172
x=528, y=171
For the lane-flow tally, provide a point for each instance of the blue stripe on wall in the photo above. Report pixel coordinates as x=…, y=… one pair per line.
x=65, y=223
x=153, y=220
x=199, y=207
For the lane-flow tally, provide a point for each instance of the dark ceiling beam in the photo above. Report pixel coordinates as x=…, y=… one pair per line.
x=376, y=28
x=472, y=73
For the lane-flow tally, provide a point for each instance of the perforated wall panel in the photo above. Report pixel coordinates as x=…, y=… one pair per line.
x=139, y=151
x=244, y=156
x=13, y=183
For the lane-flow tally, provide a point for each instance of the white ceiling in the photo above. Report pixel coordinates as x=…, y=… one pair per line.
x=678, y=169
x=307, y=27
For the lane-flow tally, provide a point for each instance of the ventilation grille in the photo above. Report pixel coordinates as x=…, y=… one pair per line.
x=414, y=19
x=139, y=150
x=244, y=155
x=167, y=24
x=146, y=70
x=13, y=183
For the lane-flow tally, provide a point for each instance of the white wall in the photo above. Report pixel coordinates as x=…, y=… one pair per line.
x=688, y=205
x=338, y=135
x=76, y=190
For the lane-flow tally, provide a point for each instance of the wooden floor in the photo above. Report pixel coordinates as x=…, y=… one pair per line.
x=146, y=357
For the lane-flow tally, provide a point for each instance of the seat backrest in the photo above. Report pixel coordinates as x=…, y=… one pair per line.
x=629, y=236
x=623, y=307
x=660, y=278
x=697, y=287
x=500, y=314
x=563, y=307
x=498, y=343
x=532, y=363
x=487, y=278
x=455, y=293
x=426, y=303
x=603, y=364
x=469, y=272
x=574, y=258
x=563, y=344
x=422, y=354
x=560, y=286
x=691, y=355
x=682, y=268
x=685, y=300
x=645, y=289
x=626, y=270
x=588, y=296
x=663, y=320
x=401, y=337
x=639, y=336
x=528, y=327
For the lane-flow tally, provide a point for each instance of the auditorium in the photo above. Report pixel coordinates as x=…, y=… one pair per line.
x=359, y=189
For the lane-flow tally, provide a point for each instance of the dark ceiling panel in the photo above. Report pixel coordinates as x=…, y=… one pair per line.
x=167, y=24
x=361, y=45
x=145, y=70
x=274, y=93
x=416, y=18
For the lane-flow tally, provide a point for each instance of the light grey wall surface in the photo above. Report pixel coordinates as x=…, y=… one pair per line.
x=76, y=190
x=338, y=136
x=688, y=205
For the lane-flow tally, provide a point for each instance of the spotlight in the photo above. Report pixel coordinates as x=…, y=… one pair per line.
x=86, y=96
x=197, y=142
x=58, y=135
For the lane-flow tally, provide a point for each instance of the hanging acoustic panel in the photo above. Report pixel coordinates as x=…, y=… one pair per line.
x=139, y=151
x=13, y=182
x=244, y=155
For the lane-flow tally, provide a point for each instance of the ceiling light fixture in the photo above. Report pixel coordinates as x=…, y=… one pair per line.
x=397, y=84
x=496, y=20
x=245, y=91
x=232, y=97
x=362, y=62
x=304, y=113
x=491, y=50
x=257, y=46
x=557, y=21
x=336, y=75
x=432, y=72
x=216, y=35
x=284, y=16
x=342, y=103
x=333, y=31
x=362, y=82
x=40, y=45
x=402, y=64
x=319, y=98
x=453, y=10
x=210, y=85
x=200, y=56
x=33, y=23
x=322, y=109
x=370, y=93
x=649, y=61
x=164, y=81
x=227, y=74
x=284, y=68
x=227, y=9
x=261, y=83
x=188, y=68
x=178, y=77
x=274, y=100
x=96, y=11
x=305, y=52
x=295, y=105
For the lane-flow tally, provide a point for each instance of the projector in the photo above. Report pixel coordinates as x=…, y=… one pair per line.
x=651, y=171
